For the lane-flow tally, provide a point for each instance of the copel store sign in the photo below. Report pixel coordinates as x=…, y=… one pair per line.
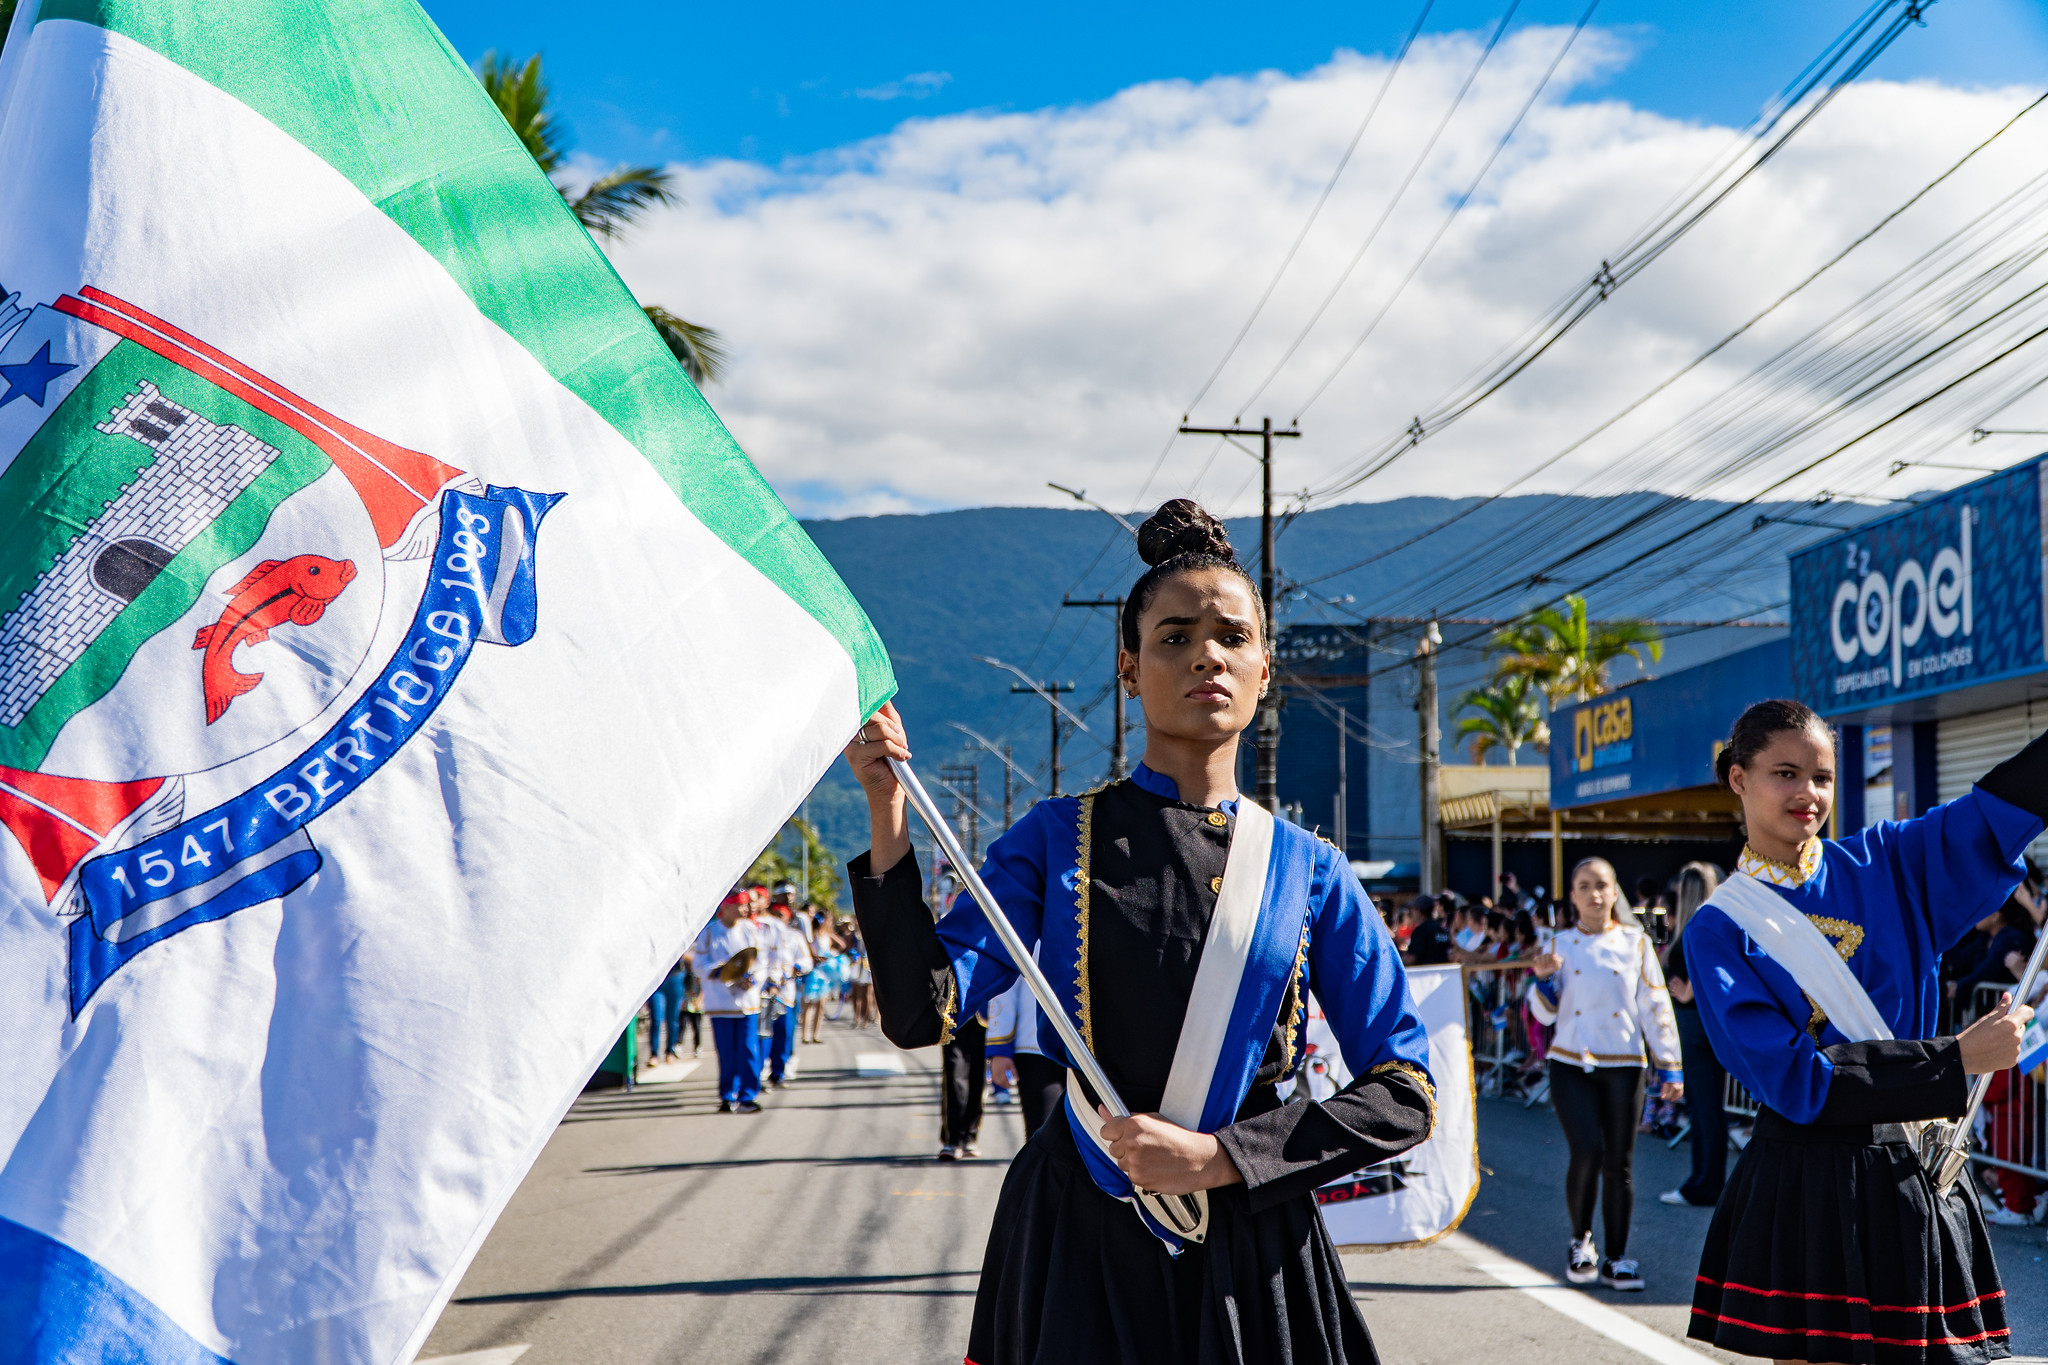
x=1925, y=600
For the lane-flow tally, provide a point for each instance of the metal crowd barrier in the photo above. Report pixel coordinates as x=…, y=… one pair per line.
x=2012, y=1134
x=1499, y=1032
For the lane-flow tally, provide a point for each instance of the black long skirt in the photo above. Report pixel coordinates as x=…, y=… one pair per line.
x=1830, y=1244
x=1071, y=1277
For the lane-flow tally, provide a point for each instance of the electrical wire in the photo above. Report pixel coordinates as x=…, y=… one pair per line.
x=1393, y=69
x=1804, y=366
x=1526, y=475
x=1456, y=208
x=1414, y=169
x=1649, y=243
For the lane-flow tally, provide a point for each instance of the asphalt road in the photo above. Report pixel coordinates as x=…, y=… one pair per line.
x=654, y=1230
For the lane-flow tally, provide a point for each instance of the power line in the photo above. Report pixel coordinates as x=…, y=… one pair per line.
x=1700, y=359
x=1321, y=199
x=1456, y=209
x=1649, y=243
x=1797, y=371
x=1456, y=103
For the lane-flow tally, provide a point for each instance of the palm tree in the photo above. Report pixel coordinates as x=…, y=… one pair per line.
x=1565, y=655
x=1508, y=718
x=607, y=205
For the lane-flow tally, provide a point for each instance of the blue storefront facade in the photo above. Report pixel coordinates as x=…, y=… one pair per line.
x=1921, y=636
x=1632, y=770
x=1660, y=736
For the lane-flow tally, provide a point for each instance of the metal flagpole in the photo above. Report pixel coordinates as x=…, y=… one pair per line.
x=1055, y=1011
x=1945, y=1147
x=1185, y=1212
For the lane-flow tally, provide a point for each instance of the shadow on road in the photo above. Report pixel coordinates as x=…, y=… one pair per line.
x=788, y=1284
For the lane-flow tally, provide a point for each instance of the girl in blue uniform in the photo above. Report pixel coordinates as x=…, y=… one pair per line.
x=1118, y=892
x=1829, y=1243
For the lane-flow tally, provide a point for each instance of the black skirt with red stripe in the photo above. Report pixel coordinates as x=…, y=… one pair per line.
x=1829, y=1244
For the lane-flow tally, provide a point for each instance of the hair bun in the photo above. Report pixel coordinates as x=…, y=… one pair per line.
x=1182, y=527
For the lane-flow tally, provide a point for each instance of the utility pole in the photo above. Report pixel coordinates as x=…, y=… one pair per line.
x=1343, y=788
x=1118, y=767
x=963, y=780
x=1426, y=714
x=1051, y=691
x=1268, y=794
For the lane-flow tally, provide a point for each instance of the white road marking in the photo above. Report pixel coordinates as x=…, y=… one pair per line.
x=877, y=1064
x=500, y=1355
x=1559, y=1297
x=668, y=1073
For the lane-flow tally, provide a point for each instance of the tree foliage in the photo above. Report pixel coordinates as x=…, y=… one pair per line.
x=1509, y=716
x=783, y=861
x=1566, y=655
x=606, y=206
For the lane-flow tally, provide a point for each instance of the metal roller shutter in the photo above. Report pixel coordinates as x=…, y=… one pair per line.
x=1967, y=747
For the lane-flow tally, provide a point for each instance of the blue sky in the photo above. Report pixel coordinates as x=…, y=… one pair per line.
x=658, y=82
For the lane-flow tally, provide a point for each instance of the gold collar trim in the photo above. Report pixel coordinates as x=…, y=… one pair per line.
x=1782, y=874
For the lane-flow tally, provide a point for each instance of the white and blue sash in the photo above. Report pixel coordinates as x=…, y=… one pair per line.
x=1249, y=956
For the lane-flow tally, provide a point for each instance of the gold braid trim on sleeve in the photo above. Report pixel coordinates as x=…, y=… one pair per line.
x=1421, y=1079
x=1290, y=1004
x=947, y=1010
x=1081, y=857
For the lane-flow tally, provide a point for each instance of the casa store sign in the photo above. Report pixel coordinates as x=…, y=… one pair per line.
x=1924, y=601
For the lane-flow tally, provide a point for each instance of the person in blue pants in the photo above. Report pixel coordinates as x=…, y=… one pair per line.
x=793, y=961
x=729, y=957
x=664, y=1011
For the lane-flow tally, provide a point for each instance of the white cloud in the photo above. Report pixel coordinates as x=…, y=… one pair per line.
x=917, y=85
x=957, y=312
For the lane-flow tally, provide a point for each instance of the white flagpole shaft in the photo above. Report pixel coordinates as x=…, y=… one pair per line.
x=1959, y=1136
x=1084, y=1060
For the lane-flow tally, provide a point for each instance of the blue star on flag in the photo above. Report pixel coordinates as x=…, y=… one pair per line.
x=32, y=378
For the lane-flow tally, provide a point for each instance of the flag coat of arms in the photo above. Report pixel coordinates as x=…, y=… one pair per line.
x=397, y=659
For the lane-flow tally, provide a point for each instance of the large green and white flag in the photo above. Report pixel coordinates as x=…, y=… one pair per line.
x=397, y=659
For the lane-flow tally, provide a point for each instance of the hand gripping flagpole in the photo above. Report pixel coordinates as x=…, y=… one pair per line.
x=1945, y=1147
x=1181, y=1211
x=1049, y=1002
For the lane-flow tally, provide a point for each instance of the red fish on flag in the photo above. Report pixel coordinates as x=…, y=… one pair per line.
x=295, y=590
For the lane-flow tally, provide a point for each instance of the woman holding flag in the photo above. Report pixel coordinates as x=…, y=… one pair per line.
x=1183, y=927
x=1815, y=972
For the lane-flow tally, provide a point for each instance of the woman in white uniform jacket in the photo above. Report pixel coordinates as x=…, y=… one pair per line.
x=1601, y=986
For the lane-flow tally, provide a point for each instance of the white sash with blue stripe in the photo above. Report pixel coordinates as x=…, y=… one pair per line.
x=1247, y=959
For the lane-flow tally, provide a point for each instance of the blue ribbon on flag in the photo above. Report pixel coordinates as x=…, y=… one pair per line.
x=254, y=848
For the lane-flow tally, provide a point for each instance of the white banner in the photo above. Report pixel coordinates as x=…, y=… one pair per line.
x=1424, y=1193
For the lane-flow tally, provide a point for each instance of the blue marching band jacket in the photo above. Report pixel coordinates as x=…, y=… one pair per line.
x=1891, y=899
x=1314, y=930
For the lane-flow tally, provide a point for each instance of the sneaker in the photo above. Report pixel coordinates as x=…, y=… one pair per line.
x=1621, y=1274
x=1583, y=1264
x=969, y=1149
x=2003, y=1217
x=1673, y=1197
x=748, y=1107
x=725, y=1106
x=949, y=1153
